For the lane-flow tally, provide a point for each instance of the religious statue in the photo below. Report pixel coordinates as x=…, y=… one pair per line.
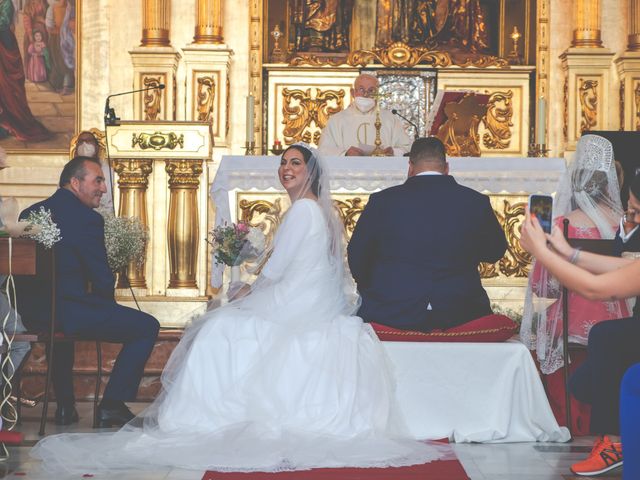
x=322, y=25
x=458, y=24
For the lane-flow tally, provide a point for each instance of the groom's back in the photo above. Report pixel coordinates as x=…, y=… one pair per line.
x=415, y=253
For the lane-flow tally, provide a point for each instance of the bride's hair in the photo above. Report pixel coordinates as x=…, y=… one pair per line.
x=312, y=167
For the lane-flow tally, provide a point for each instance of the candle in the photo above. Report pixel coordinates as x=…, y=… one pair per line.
x=250, y=128
x=541, y=130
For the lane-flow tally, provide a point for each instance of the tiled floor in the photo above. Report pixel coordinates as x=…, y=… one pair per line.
x=515, y=461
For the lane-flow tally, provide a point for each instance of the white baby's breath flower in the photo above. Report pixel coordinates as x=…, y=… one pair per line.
x=257, y=239
x=42, y=228
x=125, y=239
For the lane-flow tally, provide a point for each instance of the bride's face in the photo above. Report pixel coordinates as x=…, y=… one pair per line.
x=293, y=172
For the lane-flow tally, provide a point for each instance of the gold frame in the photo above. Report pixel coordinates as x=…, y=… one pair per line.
x=78, y=96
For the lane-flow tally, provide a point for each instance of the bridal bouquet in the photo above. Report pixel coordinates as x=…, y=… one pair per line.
x=125, y=239
x=235, y=243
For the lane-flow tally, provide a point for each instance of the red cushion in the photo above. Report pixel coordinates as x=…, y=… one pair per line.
x=491, y=328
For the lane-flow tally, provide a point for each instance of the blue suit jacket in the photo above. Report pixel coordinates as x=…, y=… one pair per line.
x=81, y=258
x=420, y=243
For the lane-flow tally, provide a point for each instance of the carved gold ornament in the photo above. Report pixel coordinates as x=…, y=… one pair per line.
x=133, y=173
x=350, y=210
x=205, y=97
x=459, y=133
x=498, y=120
x=399, y=54
x=157, y=140
x=183, y=173
x=152, y=98
x=516, y=261
x=589, y=104
x=301, y=112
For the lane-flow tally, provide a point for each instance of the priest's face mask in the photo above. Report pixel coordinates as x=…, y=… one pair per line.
x=364, y=91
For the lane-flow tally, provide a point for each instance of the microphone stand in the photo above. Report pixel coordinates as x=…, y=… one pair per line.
x=111, y=120
x=415, y=127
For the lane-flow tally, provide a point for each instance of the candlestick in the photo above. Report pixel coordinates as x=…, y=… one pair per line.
x=250, y=128
x=541, y=127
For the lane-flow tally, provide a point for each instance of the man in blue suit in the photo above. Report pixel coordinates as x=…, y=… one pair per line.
x=81, y=259
x=415, y=250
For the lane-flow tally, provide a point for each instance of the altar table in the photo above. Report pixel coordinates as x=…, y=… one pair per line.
x=517, y=175
x=472, y=392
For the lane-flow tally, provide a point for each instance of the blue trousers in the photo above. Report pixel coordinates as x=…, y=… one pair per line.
x=630, y=422
x=612, y=349
x=136, y=330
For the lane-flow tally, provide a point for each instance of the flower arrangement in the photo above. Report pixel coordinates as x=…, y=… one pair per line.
x=125, y=239
x=42, y=228
x=235, y=243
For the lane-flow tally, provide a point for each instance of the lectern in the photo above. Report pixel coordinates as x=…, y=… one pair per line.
x=159, y=168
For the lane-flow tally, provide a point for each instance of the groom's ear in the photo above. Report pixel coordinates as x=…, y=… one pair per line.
x=446, y=168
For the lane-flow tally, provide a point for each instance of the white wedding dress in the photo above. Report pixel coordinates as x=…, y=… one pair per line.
x=282, y=379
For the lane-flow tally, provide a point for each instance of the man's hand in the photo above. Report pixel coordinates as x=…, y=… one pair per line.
x=354, y=152
x=388, y=151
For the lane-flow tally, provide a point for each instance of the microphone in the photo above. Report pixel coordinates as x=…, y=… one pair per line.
x=396, y=112
x=110, y=118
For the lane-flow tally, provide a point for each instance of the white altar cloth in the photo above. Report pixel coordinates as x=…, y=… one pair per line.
x=368, y=174
x=472, y=392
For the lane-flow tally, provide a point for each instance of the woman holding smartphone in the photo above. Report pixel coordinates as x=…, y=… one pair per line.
x=588, y=196
x=613, y=345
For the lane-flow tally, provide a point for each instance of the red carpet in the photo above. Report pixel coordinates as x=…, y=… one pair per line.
x=439, y=470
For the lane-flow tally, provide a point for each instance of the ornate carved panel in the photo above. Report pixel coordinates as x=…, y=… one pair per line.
x=152, y=99
x=265, y=210
x=305, y=115
x=498, y=121
x=588, y=95
x=205, y=97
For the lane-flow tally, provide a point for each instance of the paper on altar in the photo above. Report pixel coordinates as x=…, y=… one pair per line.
x=366, y=149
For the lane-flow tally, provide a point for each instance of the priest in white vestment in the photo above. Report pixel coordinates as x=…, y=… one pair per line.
x=352, y=131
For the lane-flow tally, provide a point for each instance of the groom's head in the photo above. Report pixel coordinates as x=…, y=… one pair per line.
x=427, y=155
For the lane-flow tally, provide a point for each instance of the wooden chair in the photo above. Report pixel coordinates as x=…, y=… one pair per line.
x=602, y=247
x=31, y=310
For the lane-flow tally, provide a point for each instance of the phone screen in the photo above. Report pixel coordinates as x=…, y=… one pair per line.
x=541, y=206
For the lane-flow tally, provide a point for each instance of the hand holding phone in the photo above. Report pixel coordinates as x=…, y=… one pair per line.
x=542, y=207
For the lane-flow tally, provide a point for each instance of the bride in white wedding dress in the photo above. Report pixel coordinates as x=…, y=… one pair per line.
x=284, y=378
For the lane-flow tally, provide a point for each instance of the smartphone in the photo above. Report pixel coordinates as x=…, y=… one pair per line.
x=542, y=206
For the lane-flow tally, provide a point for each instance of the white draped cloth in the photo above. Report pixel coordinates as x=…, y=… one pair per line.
x=352, y=128
x=282, y=379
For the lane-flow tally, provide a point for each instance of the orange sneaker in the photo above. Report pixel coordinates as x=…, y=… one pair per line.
x=605, y=456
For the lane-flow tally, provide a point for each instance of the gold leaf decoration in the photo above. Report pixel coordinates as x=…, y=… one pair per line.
x=304, y=115
x=498, y=120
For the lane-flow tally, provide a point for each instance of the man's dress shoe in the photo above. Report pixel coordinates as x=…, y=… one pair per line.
x=114, y=417
x=66, y=415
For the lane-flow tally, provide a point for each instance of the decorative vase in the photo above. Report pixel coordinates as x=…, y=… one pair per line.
x=235, y=274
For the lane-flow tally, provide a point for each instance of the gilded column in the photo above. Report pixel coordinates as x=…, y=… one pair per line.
x=156, y=16
x=133, y=181
x=208, y=22
x=586, y=19
x=634, y=26
x=183, y=232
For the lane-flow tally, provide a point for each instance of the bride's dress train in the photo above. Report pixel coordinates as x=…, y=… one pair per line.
x=282, y=379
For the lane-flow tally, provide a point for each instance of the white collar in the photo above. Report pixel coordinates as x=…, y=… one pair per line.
x=429, y=172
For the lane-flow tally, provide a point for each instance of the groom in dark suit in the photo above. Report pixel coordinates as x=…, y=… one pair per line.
x=415, y=250
x=81, y=258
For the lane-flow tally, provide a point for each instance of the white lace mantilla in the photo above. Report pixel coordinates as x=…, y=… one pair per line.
x=516, y=175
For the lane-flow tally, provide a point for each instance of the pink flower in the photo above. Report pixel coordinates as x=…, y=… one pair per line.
x=242, y=227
